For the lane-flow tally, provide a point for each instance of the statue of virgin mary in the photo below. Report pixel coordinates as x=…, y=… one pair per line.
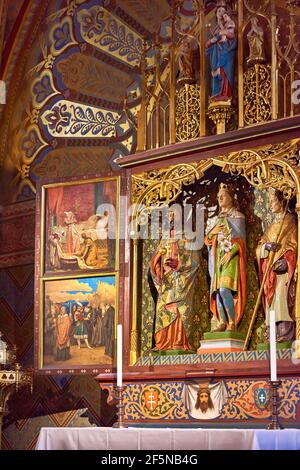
x=221, y=49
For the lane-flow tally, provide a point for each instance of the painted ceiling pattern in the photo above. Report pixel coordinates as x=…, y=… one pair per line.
x=73, y=73
x=84, y=61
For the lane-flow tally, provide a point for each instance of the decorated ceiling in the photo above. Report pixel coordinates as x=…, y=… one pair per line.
x=71, y=65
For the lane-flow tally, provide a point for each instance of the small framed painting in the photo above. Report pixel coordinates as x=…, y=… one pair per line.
x=78, y=322
x=78, y=229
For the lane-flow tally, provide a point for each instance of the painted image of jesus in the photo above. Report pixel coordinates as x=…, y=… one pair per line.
x=204, y=401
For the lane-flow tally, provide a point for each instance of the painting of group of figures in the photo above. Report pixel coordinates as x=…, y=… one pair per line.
x=79, y=321
x=81, y=227
x=78, y=297
x=249, y=238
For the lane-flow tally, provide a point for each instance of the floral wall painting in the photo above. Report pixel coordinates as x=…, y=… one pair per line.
x=80, y=226
x=78, y=326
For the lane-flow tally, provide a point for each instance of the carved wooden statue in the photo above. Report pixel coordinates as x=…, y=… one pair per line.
x=256, y=42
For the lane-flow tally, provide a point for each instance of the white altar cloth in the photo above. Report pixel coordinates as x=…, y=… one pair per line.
x=167, y=439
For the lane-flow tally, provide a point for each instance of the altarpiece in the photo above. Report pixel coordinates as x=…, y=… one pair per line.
x=217, y=139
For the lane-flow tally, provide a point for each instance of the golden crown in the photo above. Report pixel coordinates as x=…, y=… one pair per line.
x=224, y=4
x=228, y=188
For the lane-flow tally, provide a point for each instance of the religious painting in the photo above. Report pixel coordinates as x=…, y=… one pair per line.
x=80, y=226
x=78, y=322
x=205, y=400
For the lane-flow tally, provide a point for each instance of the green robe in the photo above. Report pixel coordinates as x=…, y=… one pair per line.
x=226, y=276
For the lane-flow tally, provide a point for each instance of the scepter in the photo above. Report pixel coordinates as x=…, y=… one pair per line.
x=270, y=262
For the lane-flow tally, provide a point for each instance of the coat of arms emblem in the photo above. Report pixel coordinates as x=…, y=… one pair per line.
x=262, y=397
x=151, y=399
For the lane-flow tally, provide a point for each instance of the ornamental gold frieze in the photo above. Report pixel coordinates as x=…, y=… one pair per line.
x=257, y=94
x=188, y=112
x=163, y=186
x=272, y=166
x=267, y=167
x=61, y=60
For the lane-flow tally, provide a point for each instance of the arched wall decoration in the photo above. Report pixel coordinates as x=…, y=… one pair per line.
x=273, y=166
x=264, y=169
x=62, y=94
x=162, y=186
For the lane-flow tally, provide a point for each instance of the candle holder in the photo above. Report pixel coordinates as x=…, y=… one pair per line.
x=119, y=394
x=274, y=424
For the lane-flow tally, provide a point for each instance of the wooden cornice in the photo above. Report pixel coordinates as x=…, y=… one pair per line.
x=248, y=137
x=259, y=368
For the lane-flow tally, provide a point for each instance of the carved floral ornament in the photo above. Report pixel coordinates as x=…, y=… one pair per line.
x=273, y=166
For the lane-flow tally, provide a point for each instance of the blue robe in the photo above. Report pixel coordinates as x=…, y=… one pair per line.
x=222, y=55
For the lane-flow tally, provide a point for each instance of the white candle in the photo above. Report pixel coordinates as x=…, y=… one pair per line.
x=119, y=356
x=273, y=362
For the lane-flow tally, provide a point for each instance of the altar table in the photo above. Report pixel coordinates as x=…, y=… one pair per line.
x=167, y=439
